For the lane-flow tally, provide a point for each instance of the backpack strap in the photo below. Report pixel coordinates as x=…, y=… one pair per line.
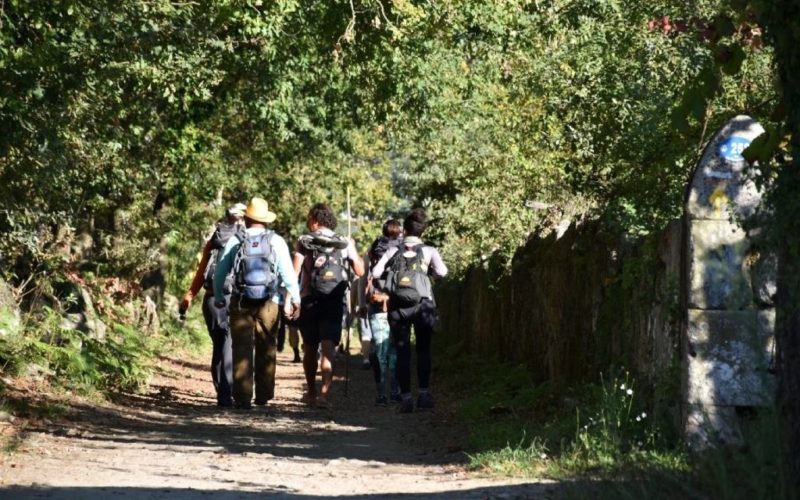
x=421, y=257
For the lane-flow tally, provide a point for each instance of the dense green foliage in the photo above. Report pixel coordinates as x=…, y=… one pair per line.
x=567, y=102
x=122, y=120
x=127, y=126
x=130, y=117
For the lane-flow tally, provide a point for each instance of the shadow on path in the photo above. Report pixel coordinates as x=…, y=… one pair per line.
x=172, y=416
x=517, y=491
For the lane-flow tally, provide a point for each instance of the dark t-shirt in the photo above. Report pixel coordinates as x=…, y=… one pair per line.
x=348, y=253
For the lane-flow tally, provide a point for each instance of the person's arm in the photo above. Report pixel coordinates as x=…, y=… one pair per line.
x=363, y=283
x=286, y=269
x=224, y=265
x=297, y=259
x=355, y=260
x=437, y=267
x=380, y=267
x=199, y=277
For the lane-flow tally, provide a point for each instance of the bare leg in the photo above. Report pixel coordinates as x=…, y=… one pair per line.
x=328, y=353
x=310, y=369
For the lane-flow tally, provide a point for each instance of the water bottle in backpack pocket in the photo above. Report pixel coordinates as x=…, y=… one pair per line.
x=255, y=277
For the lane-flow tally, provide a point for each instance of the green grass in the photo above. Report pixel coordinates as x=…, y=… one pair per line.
x=601, y=437
x=190, y=335
x=519, y=428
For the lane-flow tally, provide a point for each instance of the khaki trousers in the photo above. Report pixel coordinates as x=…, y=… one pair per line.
x=254, y=327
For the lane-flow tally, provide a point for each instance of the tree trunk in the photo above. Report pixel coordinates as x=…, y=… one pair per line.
x=783, y=31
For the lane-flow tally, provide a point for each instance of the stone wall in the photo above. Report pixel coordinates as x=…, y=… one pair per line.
x=690, y=309
x=573, y=306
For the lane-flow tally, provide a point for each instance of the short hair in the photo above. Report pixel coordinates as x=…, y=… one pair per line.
x=415, y=222
x=392, y=229
x=322, y=215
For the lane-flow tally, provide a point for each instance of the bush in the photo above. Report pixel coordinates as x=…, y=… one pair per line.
x=73, y=359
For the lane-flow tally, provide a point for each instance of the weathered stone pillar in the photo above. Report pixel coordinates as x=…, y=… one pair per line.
x=729, y=286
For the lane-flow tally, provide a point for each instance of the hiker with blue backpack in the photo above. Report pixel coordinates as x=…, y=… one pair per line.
x=217, y=319
x=260, y=262
x=407, y=271
x=324, y=261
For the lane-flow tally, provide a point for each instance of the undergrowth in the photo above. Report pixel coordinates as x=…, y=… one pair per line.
x=119, y=361
x=603, y=432
x=122, y=358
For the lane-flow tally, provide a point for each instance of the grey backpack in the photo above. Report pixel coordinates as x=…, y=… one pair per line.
x=407, y=281
x=254, y=272
x=219, y=239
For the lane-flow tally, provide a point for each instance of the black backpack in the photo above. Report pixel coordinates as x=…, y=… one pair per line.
x=407, y=281
x=254, y=272
x=379, y=247
x=219, y=239
x=328, y=266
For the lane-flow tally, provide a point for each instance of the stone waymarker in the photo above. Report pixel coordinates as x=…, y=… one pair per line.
x=728, y=336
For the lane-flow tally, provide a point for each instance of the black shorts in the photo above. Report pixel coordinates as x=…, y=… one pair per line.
x=322, y=318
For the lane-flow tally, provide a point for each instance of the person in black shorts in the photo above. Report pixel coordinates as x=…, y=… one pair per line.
x=324, y=261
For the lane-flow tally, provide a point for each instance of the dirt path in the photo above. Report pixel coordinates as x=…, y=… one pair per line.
x=174, y=442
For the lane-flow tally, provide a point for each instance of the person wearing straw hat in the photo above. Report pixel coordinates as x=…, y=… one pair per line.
x=217, y=319
x=261, y=264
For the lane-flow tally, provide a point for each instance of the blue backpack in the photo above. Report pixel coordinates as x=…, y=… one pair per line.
x=255, y=277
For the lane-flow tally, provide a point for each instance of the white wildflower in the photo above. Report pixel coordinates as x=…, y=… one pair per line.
x=629, y=392
x=638, y=418
x=644, y=414
x=543, y=456
x=622, y=387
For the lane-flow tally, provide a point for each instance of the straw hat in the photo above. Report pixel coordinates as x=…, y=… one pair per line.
x=258, y=211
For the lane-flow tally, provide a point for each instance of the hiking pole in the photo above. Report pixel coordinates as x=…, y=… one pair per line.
x=349, y=305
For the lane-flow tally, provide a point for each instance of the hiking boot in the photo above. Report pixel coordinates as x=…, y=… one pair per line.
x=296, y=356
x=425, y=401
x=396, y=398
x=381, y=401
x=406, y=406
x=261, y=402
x=244, y=406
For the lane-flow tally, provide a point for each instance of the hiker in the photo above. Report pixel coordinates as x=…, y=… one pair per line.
x=409, y=268
x=360, y=299
x=294, y=335
x=382, y=353
x=260, y=263
x=322, y=259
x=217, y=319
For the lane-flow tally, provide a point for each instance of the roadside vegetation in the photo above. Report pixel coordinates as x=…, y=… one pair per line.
x=127, y=127
x=603, y=436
